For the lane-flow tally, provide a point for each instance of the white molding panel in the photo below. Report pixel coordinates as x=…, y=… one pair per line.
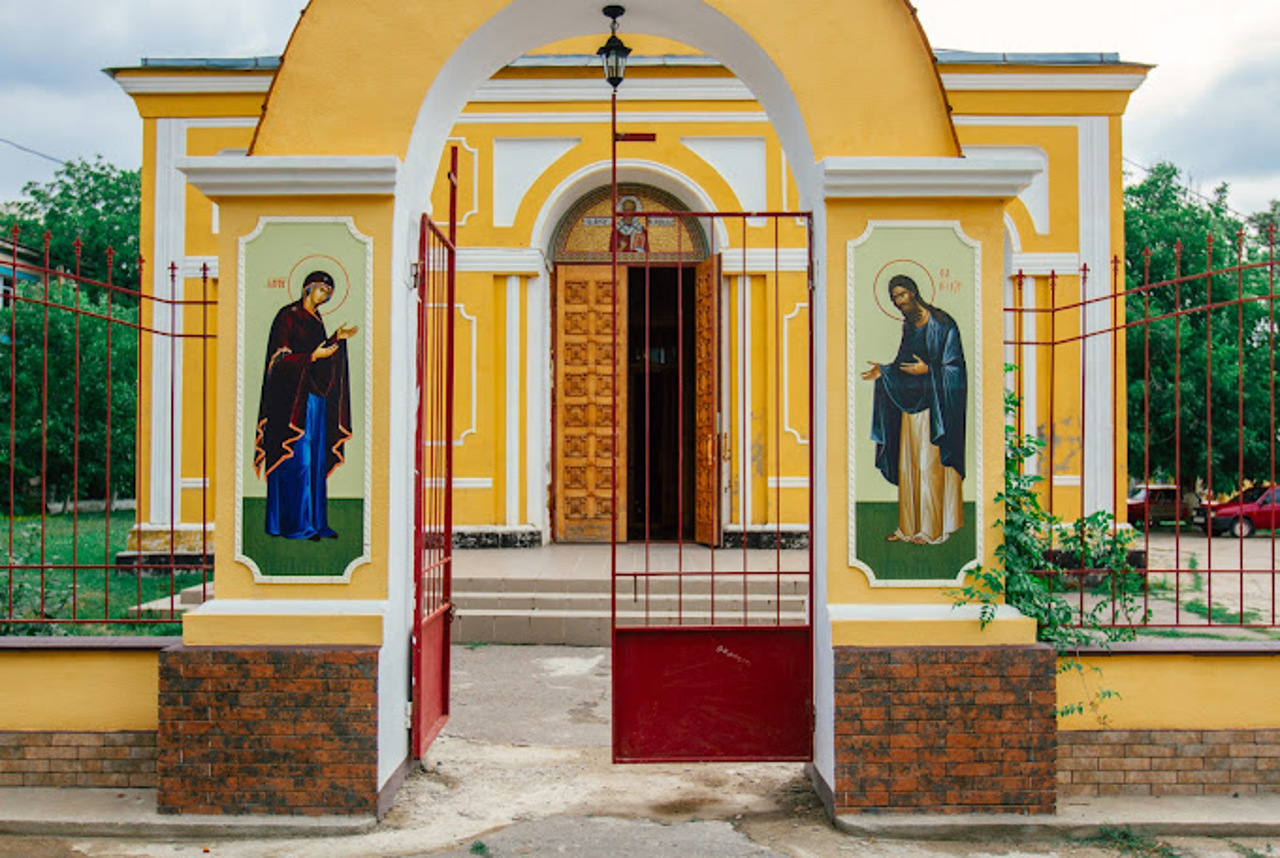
x=740, y=161
x=518, y=162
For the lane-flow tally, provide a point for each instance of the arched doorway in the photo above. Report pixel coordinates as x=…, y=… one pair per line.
x=667, y=332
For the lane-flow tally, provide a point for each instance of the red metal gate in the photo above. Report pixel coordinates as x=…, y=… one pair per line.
x=433, y=474
x=712, y=579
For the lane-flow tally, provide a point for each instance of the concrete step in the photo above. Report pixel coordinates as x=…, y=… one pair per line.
x=578, y=611
x=586, y=628
x=183, y=601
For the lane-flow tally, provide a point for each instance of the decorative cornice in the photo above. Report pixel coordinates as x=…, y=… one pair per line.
x=878, y=176
x=501, y=260
x=1044, y=264
x=276, y=175
x=193, y=267
x=760, y=259
x=1042, y=82
x=593, y=89
x=190, y=84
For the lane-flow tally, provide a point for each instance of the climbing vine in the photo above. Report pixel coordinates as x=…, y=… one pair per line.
x=1041, y=564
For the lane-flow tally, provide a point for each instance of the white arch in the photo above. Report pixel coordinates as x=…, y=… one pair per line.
x=526, y=24
x=634, y=170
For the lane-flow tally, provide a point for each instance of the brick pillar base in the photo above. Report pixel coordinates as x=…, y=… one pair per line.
x=945, y=729
x=273, y=730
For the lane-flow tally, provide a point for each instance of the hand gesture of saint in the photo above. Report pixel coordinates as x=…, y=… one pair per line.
x=915, y=366
x=330, y=346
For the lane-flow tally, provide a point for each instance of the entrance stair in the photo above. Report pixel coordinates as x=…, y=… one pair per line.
x=560, y=594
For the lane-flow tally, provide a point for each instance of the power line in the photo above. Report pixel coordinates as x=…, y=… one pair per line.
x=1190, y=190
x=31, y=151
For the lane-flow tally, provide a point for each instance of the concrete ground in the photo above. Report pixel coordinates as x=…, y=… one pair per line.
x=523, y=769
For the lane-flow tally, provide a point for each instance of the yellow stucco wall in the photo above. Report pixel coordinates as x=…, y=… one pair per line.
x=1173, y=692
x=81, y=690
x=341, y=53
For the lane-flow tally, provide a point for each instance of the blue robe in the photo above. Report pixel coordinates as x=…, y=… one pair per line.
x=943, y=391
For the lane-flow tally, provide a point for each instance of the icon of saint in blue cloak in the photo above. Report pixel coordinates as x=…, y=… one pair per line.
x=918, y=419
x=304, y=414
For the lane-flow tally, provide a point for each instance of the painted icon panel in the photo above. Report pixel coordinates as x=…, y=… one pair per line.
x=914, y=480
x=303, y=362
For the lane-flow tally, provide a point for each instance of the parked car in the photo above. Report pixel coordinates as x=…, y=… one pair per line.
x=1152, y=504
x=1257, y=507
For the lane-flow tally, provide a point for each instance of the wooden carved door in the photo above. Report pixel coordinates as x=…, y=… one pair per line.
x=706, y=353
x=585, y=382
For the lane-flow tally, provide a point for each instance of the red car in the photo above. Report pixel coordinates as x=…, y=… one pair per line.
x=1254, y=508
x=1152, y=504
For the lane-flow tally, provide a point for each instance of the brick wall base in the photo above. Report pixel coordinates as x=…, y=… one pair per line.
x=123, y=759
x=270, y=730
x=945, y=730
x=1168, y=762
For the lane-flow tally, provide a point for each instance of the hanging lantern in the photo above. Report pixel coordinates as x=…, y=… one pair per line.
x=613, y=54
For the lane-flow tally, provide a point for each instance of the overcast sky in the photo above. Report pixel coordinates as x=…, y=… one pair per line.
x=1212, y=105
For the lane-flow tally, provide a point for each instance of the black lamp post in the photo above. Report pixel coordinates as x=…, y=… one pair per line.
x=613, y=55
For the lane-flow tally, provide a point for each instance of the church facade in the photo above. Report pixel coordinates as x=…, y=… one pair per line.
x=880, y=162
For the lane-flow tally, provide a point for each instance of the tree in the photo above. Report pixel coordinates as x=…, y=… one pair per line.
x=1200, y=339
x=59, y=427
x=68, y=348
x=90, y=200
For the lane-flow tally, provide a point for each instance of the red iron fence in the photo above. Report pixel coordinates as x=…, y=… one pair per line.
x=104, y=473
x=1151, y=408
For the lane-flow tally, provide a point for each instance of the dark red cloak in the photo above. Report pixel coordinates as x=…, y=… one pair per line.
x=288, y=376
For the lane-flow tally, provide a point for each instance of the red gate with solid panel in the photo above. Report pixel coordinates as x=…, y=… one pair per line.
x=712, y=624
x=433, y=473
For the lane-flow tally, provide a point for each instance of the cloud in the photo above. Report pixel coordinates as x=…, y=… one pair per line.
x=1232, y=128
x=53, y=95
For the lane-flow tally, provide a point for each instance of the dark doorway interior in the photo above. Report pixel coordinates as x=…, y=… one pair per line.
x=660, y=429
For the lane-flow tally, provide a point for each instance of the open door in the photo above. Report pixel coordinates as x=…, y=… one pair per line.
x=586, y=384
x=707, y=476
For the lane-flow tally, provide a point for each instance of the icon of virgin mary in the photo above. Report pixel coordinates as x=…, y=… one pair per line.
x=304, y=414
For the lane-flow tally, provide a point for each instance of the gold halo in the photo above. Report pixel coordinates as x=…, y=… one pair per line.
x=344, y=281
x=900, y=266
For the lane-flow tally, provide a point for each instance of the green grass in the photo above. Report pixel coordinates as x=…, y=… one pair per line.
x=1219, y=614
x=1127, y=842
x=48, y=592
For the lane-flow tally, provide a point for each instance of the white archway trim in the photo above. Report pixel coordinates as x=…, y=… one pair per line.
x=630, y=170
x=526, y=24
